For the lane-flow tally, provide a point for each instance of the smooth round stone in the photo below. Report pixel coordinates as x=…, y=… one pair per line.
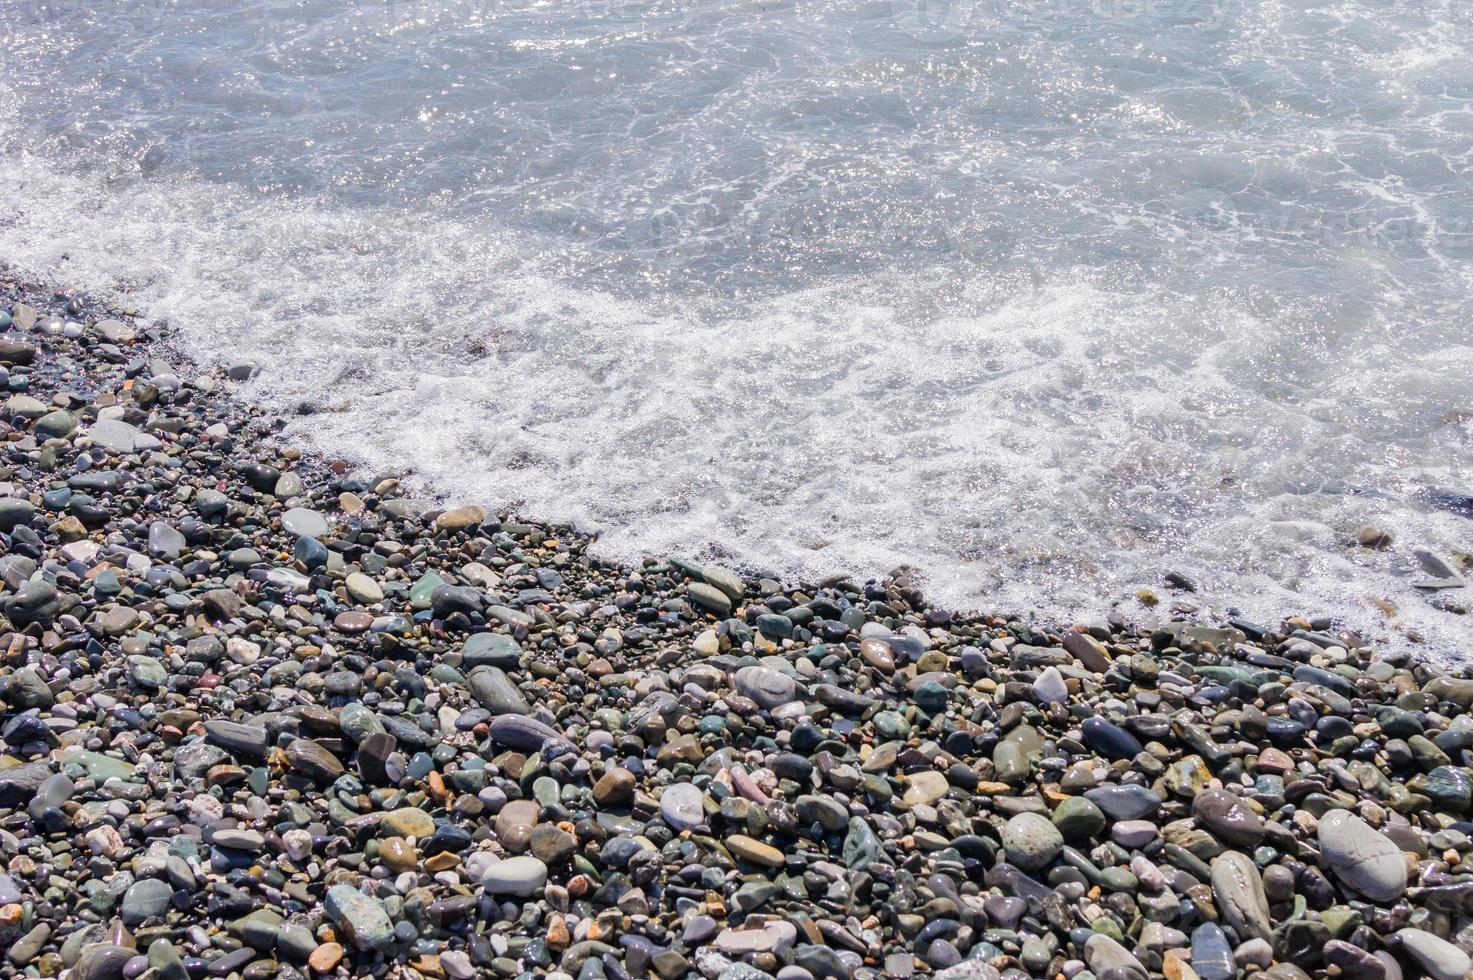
x=24, y=406
x=615, y=787
x=1125, y=802
x=237, y=738
x=1107, y=958
x=491, y=650
x=244, y=558
x=823, y=810
x=1238, y=890
x=363, y=589
x=24, y=729
x=682, y=806
x=514, y=823
x=1451, y=788
x=457, y=964
x=520, y=877
x=241, y=840
x=522, y=732
x=1212, y=957
x=1362, y=857
x=446, y=600
x=289, y=579
x=211, y=503
x=288, y=485
x=551, y=844
x=1439, y=958
x=28, y=689
x=103, y=961
x=709, y=598
x=765, y=686
x=302, y=522
x=147, y=672
x=1133, y=834
x=56, y=425
x=164, y=540
x=460, y=518
x=312, y=759
x=1031, y=841
x=754, y=939
x=891, y=725
x=926, y=787
x=398, y=855
x=325, y=958
x=1079, y=819
x=1353, y=962
x=352, y=621
x=145, y=899
x=407, y=821
x=1110, y=740
x=35, y=601
x=877, y=654
x=750, y=849
x=1050, y=687
x=1228, y=817
x=310, y=552
x=496, y=692
x=448, y=838
x=375, y=748
x=121, y=437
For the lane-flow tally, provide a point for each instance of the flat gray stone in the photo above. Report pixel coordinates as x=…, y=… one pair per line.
x=496, y=692
x=145, y=899
x=1104, y=954
x=682, y=806
x=709, y=597
x=766, y=686
x=491, y=650
x=1362, y=857
x=1439, y=958
x=121, y=437
x=1238, y=889
x=1031, y=841
x=521, y=877
x=14, y=511
x=301, y=521
x=116, y=331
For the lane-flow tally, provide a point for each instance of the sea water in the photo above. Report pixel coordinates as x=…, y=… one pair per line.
x=1044, y=299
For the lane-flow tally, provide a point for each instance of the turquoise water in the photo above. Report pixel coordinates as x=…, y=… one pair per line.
x=1042, y=298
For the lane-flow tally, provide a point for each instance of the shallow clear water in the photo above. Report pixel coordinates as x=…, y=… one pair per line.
x=1045, y=298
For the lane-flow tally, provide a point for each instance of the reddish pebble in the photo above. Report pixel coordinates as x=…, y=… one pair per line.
x=353, y=621
x=325, y=958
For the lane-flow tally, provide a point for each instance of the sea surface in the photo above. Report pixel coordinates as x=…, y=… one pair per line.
x=1045, y=298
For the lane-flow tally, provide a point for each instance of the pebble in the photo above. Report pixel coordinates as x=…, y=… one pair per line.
x=362, y=918
x=682, y=806
x=265, y=714
x=144, y=900
x=1364, y=858
x=1438, y=958
x=1031, y=841
x=1238, y=889
x=1050, y=687
x=302, y=522
x=520, y=876
x=765, y=686
x=754, y=851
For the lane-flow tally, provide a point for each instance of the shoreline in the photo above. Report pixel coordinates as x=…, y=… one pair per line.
x=267, y=718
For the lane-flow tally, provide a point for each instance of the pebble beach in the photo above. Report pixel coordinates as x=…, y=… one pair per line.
x=267, y=716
